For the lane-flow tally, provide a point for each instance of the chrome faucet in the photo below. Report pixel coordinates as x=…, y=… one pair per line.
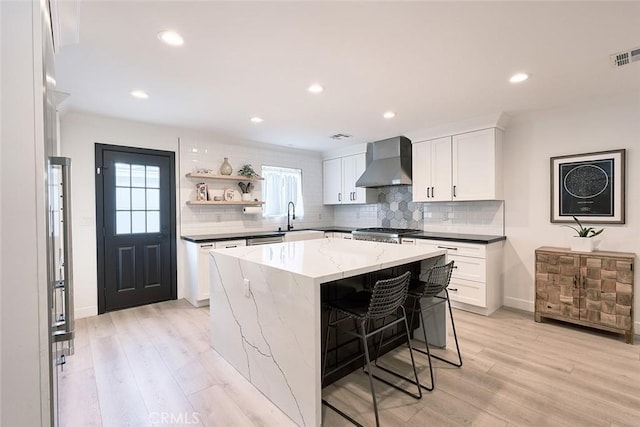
x=290, y=217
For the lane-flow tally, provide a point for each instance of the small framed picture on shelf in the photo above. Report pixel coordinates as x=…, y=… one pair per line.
x=201, y=192
x=589, y=186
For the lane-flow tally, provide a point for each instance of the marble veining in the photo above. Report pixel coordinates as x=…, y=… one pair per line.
x=265, y=311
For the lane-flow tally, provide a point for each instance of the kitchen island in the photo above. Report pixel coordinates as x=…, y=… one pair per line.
x=266, y=310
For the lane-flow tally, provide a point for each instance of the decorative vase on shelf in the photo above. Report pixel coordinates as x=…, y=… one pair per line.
x=246, y=197
x=225, y=167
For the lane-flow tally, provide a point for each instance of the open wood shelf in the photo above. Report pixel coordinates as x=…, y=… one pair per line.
x=227, y=177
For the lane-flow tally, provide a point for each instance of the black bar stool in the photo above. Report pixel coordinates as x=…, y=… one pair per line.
x=385, y=300
x=436, y=281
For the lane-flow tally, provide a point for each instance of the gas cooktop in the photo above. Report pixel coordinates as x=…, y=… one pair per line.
x=388, y=231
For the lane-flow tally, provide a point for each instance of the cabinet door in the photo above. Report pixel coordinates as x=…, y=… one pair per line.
x=332, y=181
x=441, y=169
x=557, y=290
x=359, y=163
x=474, y=165
x=349, y=177
x=607, y=287
x=421, y=171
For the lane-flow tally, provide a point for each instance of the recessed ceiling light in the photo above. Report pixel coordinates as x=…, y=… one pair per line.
x=389, y=115
x=315, y=88
x=171, y=38
x=519, y=77
x=257, y=119
x=140, y=94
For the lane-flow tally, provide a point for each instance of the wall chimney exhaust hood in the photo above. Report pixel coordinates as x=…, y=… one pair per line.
x=388, y=163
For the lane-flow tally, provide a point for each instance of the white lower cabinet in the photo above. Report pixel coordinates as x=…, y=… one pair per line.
x=476, y=283
x=196, y=270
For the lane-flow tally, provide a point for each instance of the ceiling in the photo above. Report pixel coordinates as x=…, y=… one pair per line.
x=430, y=62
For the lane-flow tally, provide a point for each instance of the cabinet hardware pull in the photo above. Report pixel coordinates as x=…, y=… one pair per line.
x=232, y=246
x=206, y=246
x=453, y=289
x=447, y=247
x=454, y=191
x=355, y=196
x=428, y=193
x=432, y=192
x=339, y=197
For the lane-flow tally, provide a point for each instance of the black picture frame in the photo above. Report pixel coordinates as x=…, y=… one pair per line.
x=589, y=186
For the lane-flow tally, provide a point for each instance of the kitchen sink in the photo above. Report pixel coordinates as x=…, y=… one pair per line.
x=294, y=236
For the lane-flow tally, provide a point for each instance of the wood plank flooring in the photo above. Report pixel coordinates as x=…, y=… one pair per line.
x=153, y=365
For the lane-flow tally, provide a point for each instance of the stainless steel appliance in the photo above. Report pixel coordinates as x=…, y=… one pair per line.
x=60, y=273
x=388, y=163
x=255, y=241
x=380, y=234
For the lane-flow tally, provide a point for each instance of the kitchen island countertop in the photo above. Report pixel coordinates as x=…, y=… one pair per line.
x=266, y=310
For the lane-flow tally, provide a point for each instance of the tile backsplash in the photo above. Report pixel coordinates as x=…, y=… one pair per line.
x=476, y=217
x=396, y=209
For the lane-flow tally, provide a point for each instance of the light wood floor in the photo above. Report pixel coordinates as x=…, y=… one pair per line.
x=153, y=365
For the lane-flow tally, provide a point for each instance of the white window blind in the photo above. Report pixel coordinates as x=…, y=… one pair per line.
x=281, y=186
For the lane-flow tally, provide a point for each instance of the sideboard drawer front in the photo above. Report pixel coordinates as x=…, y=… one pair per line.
x=468, y=292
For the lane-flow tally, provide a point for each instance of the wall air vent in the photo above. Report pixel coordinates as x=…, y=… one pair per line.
x=624, y=58
x=340, y=136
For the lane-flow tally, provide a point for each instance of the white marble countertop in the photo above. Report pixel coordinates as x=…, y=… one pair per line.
x=266, y=311
x=325, y=260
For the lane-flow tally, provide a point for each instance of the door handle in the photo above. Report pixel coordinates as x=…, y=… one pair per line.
x=339, y=197
x=454, y=191
x=448, y=247
x=432, y=192
x=355, y=196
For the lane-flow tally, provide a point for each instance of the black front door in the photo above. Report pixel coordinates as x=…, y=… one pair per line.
x=135, y=203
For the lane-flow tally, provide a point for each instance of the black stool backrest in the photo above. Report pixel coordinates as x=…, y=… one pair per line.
x=437, y=279
x=388, y=295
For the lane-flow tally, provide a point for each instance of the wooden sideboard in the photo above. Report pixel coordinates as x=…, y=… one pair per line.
x=592, y=289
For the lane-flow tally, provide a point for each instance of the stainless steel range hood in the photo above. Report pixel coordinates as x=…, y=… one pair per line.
x=388, y=163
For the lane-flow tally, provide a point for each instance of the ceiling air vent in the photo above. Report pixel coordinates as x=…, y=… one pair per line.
x=624, y=58
x=340, y=136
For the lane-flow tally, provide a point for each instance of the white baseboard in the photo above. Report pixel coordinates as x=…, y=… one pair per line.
x=85, y=312
x=518, y=303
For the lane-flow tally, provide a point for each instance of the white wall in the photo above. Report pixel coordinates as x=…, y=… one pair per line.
x=530, y=140
x=80, y=132
x=23, y=308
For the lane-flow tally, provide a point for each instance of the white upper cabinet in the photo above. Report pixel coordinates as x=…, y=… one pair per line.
x=431, y=166
x=339, y=182
x=477, y=166
x=459, y=167
x=332, y=181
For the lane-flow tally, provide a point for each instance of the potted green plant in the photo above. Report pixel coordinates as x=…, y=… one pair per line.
x=246, y=190
x=584, y=241
x=247, y=171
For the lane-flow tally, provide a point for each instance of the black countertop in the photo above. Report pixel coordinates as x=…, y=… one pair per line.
x=204, y=238
x=457, y=237
x=451, y=237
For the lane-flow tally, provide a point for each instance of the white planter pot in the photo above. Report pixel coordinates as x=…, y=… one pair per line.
x=583, y=244
x=246, y=197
